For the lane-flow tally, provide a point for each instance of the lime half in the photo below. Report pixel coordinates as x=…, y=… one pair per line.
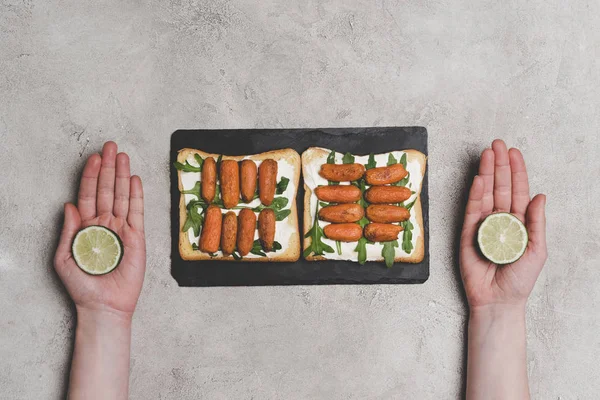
x=97, y=250
x=502, y=238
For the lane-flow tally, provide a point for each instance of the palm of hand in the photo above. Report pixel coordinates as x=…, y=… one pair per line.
x=502, y=185
x=109, y=197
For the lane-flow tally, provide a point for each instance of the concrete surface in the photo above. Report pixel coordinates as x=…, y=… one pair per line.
x=74, y=74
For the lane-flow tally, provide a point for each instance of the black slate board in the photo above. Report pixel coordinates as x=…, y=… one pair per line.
x=250, y=141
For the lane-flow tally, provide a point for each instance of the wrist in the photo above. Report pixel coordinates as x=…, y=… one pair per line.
x=103, y=318
x=497, y=311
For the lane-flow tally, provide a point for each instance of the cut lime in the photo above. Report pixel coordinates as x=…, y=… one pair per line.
x=97, y=250
x=502, y=238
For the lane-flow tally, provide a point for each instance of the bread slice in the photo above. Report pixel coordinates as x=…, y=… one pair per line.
x=286, y=231
x=314, y=157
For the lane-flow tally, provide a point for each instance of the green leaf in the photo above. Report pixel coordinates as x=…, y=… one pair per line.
x=323, y=204
x=217, y=200
x=282, y=214
x=212, y=254
x=257, y=249
x=194, y=218
x=364, y=221
x=410, y=205
x=331, y=157
x=389, y=252
x=331, y=160
x=361, y=248
x=187, y=167
x=407, y=245
x=278, y=204
x=195, y=190
x=236, y=255
x=194, y=246
x=348, y=158
x=391, y=160
x=277, y=246
x=371, y=163
x=316, y=247
x=403, y=160
x=338, y=245
x=282, y=185
x=403, y=181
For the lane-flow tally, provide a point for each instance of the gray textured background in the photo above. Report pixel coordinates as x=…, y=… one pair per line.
x=75, y=73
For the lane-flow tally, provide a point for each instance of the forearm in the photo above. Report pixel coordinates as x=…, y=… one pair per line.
x=497, y=354
x=100, y=367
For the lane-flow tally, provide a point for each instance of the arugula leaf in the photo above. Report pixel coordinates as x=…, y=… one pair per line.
x=194, y=218
x=410, y=205
x=257, y=249
x=391, y=160
x=195, y=190
x=348, y=158
x=282, y=185
x=194, y=246
x=331, y=157
x=218, y=200
x=403, y=181
x=403, y=160
x=282, y=214
x=361, y=248
x=338, y=245
x=407, y=245
x=278, y=204
x=317, y=247
x=236, y=255
x=331, y=160
x=187, y=167
x=389, y=252
x=212, y=254
x=323, y=204
x=363, y=203
x=371, y=163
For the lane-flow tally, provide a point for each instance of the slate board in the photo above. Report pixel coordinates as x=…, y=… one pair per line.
x=358, y=141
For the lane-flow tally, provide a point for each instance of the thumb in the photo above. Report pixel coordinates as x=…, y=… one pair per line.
x=536, y=224
x=70, y=227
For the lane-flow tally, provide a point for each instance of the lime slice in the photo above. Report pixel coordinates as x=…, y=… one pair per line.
x=97, y=250
x=502, y=238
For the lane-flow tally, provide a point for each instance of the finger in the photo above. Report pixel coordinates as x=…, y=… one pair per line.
x=473, y=213
x=71, y=225
x=520, y=183
x=106, y=181
x=135, y=218
x=86, y=200
x=121, y=206
x=536, y=225
x=486, y=172
x=501, y=176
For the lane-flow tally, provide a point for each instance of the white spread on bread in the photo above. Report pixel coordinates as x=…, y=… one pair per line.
x=283, y=229
x=312, y=179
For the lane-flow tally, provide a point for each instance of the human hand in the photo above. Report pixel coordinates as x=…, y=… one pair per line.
x=502, y=185
x=110, y=197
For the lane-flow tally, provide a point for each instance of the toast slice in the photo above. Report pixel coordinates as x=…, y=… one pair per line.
x=286, y=231
x=314, y=157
